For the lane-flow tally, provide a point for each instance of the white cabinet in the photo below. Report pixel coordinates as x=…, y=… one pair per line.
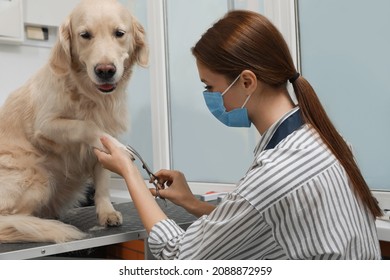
x=47, y=12
x=11, y=21
x=16, y=14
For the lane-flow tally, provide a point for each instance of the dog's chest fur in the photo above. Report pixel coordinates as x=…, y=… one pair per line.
x=108, y=112
x=73, y=166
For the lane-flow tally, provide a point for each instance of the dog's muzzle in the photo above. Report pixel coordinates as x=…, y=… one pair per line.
x=105, y=73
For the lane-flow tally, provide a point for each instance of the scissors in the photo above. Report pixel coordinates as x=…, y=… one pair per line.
x=154, y=178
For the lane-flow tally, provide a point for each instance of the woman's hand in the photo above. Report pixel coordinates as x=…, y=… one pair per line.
x=178, y=191
x=117, y=159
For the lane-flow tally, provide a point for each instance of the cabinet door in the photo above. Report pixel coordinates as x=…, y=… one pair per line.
x=47, y=12
x=11, y=21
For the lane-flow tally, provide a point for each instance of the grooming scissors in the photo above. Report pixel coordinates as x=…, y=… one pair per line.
x=154, y=178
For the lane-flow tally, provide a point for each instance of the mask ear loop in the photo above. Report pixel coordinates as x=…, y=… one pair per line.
x=246, y=100
x=235, y=80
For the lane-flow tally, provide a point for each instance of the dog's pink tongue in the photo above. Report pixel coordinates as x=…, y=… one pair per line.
x=106, y=87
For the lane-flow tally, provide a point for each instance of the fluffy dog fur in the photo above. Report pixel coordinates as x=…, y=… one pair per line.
x=49, y=126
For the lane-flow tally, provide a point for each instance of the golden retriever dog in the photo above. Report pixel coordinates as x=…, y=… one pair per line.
x=50, y=125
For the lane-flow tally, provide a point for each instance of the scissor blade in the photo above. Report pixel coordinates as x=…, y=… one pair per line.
x=144, y=165
x=153, y=177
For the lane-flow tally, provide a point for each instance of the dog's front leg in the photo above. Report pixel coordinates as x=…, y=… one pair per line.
x=106, y=213
x=61, y=131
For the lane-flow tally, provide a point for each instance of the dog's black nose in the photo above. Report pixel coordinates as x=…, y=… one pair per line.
x=105, y=71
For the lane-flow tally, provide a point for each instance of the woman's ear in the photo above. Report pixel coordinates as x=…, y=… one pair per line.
x=249, y=81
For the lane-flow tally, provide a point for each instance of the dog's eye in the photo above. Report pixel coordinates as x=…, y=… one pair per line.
x=119, y=33
x=86, y=35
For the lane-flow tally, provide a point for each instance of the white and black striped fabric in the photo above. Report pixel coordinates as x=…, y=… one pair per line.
x=295, y=202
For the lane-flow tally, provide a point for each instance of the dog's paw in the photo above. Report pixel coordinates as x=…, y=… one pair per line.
x=123, y=147
x=97, y=144
x=111, y=219
x=115, y=141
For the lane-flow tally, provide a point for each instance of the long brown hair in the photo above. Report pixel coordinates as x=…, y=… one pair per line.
x=246, y=40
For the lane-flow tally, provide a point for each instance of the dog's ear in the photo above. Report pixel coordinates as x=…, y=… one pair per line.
x=60, y=59
x=141, y=51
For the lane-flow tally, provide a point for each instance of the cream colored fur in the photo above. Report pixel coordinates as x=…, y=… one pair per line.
x=49, y=126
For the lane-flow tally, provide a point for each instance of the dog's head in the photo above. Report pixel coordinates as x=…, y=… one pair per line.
x=99, y=43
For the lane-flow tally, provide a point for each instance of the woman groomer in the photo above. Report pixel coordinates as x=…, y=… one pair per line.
x=302, y=198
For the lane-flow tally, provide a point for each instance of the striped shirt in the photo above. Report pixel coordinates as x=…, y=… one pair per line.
x=295, y=202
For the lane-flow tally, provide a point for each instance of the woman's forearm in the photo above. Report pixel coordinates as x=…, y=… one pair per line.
x=148, y=209
x=200, y=208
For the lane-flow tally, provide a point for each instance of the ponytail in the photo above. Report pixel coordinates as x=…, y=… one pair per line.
x=314, y=114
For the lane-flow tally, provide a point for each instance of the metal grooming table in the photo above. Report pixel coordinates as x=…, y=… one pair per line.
x=85, y=219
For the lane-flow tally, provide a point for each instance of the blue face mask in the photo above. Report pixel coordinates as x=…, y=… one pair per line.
x=234, y=118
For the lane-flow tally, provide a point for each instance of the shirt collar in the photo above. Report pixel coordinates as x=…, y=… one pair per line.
x=266, y=137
